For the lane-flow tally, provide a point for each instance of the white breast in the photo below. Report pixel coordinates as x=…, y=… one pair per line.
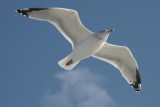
x=87, y=48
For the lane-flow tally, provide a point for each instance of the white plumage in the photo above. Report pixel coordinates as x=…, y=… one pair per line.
x=86, y=43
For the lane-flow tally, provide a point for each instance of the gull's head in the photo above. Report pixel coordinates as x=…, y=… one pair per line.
x=103, y=35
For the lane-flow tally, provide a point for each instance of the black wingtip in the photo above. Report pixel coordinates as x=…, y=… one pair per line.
x=138, y=76
x=25, y=11
x=37, y=9
x=18, y=11
x=137, y=85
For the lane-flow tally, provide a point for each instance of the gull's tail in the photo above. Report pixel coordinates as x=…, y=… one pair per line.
x=67, y=63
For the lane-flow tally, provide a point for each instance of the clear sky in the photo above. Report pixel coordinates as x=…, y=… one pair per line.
x=30, y=50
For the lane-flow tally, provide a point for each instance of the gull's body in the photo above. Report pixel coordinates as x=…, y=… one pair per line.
x=84, y=49
x=86, y=43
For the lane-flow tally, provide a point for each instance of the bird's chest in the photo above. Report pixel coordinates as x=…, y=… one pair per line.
x=88, y=47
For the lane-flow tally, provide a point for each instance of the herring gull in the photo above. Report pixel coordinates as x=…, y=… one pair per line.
x=86, y=43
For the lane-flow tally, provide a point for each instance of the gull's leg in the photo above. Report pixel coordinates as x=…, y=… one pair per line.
x=69, y=62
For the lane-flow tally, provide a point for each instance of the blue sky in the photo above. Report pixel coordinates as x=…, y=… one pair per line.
x=31, y=77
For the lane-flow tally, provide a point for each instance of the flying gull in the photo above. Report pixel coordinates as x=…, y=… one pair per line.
x=86, y=43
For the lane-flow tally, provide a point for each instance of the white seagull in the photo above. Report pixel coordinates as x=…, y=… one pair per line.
x=86, y=43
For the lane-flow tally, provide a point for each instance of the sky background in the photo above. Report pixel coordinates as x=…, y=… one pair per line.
x=30, y=50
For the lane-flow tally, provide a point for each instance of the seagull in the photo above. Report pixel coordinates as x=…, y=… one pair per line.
x=86, y=43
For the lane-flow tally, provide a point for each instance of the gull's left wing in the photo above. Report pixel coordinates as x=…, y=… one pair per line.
x=122, y=58
x=65, y=20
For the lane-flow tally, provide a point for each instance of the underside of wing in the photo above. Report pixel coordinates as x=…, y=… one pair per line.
x=65, y=20
x=122, y=58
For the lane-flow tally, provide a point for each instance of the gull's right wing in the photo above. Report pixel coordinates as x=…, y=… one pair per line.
x=122, y=58
x=65, y=20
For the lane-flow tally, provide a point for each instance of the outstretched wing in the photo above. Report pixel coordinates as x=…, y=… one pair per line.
x=65, y=20
x=122, y=58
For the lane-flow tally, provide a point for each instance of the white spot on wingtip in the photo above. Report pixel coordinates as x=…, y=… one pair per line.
x=139, y=85
x=137, y=91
